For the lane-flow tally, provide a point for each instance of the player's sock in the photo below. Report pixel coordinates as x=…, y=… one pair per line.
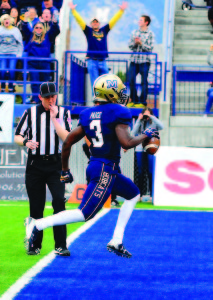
x=61, y=218
x=123, y=217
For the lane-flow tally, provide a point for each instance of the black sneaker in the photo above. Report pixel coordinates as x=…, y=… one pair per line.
x=31, y=233
x=62, y=251
x=119, y=250
x=34, y=251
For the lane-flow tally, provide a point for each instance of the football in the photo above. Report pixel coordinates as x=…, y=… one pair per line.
x=151, y=146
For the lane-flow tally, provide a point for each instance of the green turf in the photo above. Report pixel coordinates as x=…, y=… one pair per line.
x=13, y=260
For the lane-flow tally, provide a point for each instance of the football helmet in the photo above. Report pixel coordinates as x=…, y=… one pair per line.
x=110, y=88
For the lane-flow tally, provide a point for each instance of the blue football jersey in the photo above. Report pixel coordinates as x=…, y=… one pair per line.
x=99, y=124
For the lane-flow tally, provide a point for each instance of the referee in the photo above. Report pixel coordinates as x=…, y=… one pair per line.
x=42, y=129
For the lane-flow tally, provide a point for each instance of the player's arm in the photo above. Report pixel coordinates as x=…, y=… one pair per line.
x=127, y=141
x=118, y=15
x=73, y=137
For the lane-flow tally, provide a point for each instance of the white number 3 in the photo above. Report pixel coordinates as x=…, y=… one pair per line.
x=99, y=141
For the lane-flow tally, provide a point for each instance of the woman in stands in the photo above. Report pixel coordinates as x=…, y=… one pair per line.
x=38, y=44
x=145, y=120
x=10, y=46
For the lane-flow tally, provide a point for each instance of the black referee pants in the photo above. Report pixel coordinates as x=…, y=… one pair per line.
x=40, y=173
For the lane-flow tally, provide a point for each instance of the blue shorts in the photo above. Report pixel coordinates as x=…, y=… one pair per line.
x=104, y=179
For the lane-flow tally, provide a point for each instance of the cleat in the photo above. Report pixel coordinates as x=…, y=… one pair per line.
x=119, y=250
x=31, y=233
x=62, y=252
x=34, y=251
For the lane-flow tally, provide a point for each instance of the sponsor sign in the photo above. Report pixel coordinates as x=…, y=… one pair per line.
x=13, y=160
x=78, y=193
x=6, y=118
x=184, y=177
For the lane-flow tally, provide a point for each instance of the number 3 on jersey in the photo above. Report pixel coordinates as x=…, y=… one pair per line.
x=96, y=125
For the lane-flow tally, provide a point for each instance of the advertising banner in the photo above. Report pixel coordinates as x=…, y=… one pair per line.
x=6, y=118
x=184, y=177
x=13, y=160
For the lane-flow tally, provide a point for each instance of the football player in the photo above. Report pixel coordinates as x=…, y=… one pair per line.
x=106, y=126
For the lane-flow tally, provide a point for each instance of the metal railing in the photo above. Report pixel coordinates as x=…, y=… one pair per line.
x=22, y=73
x=168, y=43
x=190, y=86
x=77, y=85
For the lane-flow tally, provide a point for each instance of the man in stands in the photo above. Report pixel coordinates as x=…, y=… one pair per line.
x=56, y=3
x=24, y=6
x=5, y=7
x=48, y=4
x=97, y=41
x=141, y=40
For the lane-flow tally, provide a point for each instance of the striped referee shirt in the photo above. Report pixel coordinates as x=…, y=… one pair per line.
x=37, y=125
x=147, y=38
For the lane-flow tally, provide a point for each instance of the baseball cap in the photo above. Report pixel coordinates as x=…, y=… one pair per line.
x=48, y=89
x=94, y=19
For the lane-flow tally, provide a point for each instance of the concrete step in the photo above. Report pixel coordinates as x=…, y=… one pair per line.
x=194, y=28
x=195, y=43
x=182, y=35
x=191, y=21
x=189, y=51
x=192, y=13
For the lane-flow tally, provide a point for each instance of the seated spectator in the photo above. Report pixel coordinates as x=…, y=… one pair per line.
x=145, y=120
x=38, y=44
x=10, y=46
x=48, y=4
x=24, y=5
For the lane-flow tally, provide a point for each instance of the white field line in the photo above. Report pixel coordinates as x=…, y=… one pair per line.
x=28, y=276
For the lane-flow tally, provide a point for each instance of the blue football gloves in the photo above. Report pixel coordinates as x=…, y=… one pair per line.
x=151, y=132
x=66, y=177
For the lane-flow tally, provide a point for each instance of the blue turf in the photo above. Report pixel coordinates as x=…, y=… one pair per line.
x=172, y=259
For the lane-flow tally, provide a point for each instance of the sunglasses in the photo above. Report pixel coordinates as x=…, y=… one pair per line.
x=38, y=28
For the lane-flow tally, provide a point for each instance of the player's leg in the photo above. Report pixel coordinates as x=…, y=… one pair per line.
x=101, y=178
x=125, y=188
x=100, y=186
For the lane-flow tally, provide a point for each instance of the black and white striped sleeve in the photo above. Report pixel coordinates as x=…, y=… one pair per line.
x=68, y=121
x=22, y=127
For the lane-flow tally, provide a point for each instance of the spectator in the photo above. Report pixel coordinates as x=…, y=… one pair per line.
x=46, y=20
x=33, y=18
x=209, y=100
x=14, y=14
x=210, y=13
x=56, y=3
x=24, y=6
x=48, y=4
x=97, y=41
x=5, y=7
x=38, y=44
x=145, y=120
x=141, y=41
x=10, y=46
